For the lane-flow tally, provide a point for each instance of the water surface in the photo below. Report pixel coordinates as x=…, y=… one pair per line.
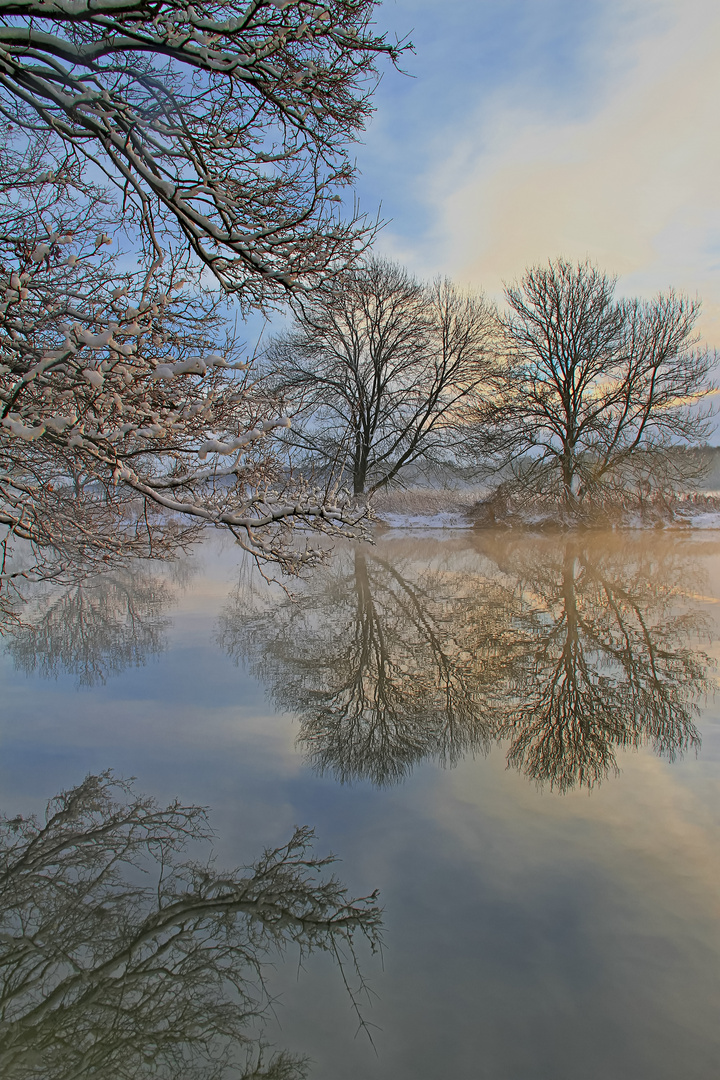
x=512, y=737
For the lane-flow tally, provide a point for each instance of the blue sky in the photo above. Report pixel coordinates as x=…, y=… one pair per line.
x=536, y=128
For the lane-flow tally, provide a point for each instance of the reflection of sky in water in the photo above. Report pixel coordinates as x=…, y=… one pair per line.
x=529, y=934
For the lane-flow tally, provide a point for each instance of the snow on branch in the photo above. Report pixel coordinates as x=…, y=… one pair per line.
x=113, y=387
x=225, y=125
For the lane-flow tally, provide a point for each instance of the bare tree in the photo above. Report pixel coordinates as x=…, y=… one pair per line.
x=379, y=370
x=598, y=394
x=223, y=126
x=119, y=957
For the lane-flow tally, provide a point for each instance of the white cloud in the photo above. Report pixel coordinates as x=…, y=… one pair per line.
x=632, y=183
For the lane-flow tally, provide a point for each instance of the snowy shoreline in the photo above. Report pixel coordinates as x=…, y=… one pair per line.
x=419, y=509
x=456, y=521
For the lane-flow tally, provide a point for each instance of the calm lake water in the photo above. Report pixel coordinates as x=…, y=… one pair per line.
x=513, y=738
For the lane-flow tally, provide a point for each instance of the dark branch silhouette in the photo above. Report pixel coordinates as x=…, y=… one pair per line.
x=121, y=958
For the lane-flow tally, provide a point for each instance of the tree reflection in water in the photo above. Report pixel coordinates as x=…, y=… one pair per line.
x=386, y=665
x=568, y=648
x=94, y=628
x=120, y=959
x=606, y=661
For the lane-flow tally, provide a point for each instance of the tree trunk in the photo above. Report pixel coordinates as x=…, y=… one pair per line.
x=360, y=465
x=569, y=478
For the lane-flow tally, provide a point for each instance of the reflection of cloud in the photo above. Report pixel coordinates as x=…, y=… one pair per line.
x=589, y=940
x=632, y=182
x=526, y=937
x=665, y=828
x=631, y=875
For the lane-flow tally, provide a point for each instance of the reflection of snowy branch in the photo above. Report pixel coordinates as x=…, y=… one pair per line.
x=93, y=629
x=105, y=972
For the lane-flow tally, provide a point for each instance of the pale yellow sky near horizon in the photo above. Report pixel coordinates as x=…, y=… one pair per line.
x=633, y=183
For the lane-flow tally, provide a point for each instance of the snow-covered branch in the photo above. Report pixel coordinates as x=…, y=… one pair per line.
x=151, y=148
x=122, y=396
x=225, y=125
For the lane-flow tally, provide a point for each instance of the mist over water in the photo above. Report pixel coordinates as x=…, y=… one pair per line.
x=513, y=737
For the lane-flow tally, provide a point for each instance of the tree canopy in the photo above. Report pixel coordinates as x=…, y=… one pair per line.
x=380, y=369
x=599, y=393
x=191, y=141
x=128, y=413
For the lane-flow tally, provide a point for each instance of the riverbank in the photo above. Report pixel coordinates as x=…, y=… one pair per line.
x=472, y=507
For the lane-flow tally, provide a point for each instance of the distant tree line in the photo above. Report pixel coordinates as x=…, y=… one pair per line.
x=570, y=392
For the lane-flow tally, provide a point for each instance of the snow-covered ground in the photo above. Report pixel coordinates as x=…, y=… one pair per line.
x=447, y=508
x=427, y=508
x=445, y=520
x=707, y=519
